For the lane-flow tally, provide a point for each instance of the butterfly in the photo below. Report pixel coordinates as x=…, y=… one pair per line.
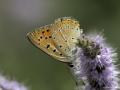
x=57, y=39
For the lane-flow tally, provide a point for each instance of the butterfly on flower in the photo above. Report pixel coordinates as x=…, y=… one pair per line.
x=57, y=39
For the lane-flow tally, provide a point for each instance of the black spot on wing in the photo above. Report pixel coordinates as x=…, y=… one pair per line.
x=41, y=37
x=53, y=37
x=43, y=32
x=77, y=29
x=60, y=54
x=60, y=46
x=48, y=30
x=54, y=50
x=38, y=43
x=65, y=40
x=38, y=39
x=50, y=36
x=61, y=19
x=48, y=46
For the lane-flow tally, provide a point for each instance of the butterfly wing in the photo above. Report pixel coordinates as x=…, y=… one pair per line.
x=66, y=32
x=42, y=38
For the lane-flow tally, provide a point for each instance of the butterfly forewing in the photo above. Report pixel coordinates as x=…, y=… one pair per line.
x=42, y=38
x=60, y=40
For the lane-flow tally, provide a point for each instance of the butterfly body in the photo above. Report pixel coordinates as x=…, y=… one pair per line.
x=58, y=39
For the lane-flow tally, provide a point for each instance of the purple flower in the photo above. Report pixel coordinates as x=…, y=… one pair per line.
x=6, y=84
x=98, y=72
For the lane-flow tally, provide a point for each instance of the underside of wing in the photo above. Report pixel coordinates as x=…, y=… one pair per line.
x=43, y=39
x=66, y=32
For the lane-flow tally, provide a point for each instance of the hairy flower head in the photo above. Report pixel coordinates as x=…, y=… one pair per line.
x=6, y=84
x=94, y=64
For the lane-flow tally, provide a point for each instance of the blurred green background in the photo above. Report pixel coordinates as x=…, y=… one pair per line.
x=22, y=61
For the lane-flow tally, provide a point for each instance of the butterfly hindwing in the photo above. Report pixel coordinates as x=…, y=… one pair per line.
x=66, y=32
